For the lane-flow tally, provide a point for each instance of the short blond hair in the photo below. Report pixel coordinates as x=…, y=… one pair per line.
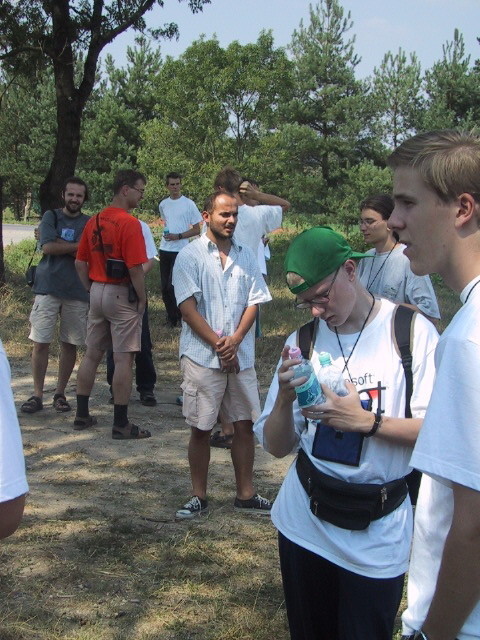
x=448, y=161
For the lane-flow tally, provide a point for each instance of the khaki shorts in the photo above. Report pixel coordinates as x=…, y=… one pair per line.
x=44, y=315
x=206, y=392
x=113, y=322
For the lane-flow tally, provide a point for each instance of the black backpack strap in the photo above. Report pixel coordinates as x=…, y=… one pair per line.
x=306, y=338
x=403, y=319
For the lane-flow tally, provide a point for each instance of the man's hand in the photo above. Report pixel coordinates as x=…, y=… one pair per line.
x=247, y=190
x=344, y=413
x=232, y=366
x=286, y=382
x=170, y=236
x=227, y=347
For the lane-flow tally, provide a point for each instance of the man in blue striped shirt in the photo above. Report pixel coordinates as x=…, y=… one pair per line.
x=218, y=286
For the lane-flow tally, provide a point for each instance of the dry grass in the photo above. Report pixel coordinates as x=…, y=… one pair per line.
x=99, y=556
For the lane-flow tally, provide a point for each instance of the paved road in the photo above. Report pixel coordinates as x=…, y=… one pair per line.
x=13, y=233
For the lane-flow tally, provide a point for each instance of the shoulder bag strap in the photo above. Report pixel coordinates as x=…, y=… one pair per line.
x=403, y=319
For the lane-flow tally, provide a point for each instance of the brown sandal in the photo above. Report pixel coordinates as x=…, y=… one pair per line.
x=60, y=403
x=135, y=433
x=32, y=405
x=83, y=423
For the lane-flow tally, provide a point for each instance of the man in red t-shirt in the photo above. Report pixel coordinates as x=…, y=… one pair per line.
x=109, y=264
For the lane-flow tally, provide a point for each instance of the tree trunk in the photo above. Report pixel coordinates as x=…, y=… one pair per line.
x=28, y=206
x=64, y=160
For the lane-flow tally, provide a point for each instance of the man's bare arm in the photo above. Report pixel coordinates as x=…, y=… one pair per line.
x=198, y=324
x=247, y=190
x=148, y=266
x=458, y=584
x=137, y=276
x=227, y=346
x=82, y=270
x=60, y=247
x=193, y=231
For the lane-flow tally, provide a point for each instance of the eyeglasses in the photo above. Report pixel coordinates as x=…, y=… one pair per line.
x=325, y=299
x=369, y=222
x=142, y=191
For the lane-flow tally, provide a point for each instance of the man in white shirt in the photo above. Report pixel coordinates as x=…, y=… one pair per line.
x=258, y=214
x=253, y=221
x=218, y=286
x=182, y=220
x=437, y=216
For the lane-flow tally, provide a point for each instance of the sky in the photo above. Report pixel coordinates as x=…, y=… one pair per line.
x=420, y=26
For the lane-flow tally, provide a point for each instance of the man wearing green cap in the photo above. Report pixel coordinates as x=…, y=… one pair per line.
x=343, y=512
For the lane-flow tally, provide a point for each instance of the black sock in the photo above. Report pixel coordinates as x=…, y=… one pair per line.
x=120, y=418
x=82, y=406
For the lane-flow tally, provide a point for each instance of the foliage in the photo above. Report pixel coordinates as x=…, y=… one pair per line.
x=453, y=89
x=27, y=132
x=397, y=91
x=32, y=32
x=304, y=126
x=214, y=113
x=111, y=125
x=328, y=99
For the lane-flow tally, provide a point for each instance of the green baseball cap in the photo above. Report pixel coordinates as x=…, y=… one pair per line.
x=315, y=254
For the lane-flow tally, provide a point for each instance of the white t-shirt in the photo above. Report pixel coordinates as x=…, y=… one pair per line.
x=448, y=450
x=254, y=222
x=388, y=275
x=150, y=247
x=263, y=256
x=13, y=482
x=381, y=550
x=179, y=215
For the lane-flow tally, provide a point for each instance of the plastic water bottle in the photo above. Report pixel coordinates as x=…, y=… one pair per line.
x=308, y=392
x=331, y=376
x=165, y=230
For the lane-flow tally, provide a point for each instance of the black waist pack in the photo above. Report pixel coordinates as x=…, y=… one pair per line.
x=345, y=504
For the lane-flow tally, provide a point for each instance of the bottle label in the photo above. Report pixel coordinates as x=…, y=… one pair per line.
x=308, y=393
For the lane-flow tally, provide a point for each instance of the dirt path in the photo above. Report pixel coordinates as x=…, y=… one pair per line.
x=99, y=555
x=57, y=452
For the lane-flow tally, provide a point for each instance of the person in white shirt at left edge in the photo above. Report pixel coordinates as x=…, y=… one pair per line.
x=13, y=482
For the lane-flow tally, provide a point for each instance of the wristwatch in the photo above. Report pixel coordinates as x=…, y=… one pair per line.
x=180, y=236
